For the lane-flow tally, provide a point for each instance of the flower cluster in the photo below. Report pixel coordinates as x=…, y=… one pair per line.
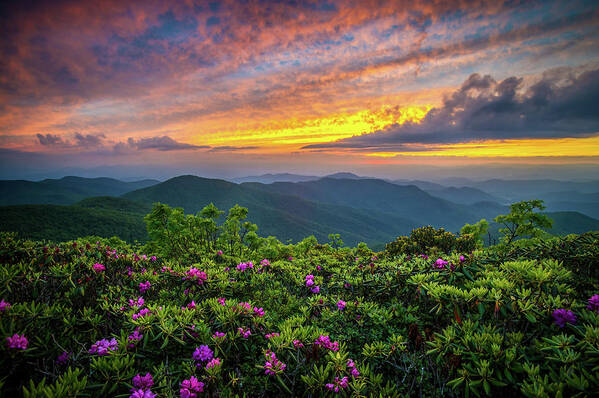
x=244, y=333
x=144, y=287
x=202, y=353
x=141, y=386
x=243, y=266
x=213, y=363
x=273, y=334
x=297, y=344
x=563, y=316
x=191, y=387
x=339, y=384
x=104, y=347
x=594, y=303
x=218, y=336
x=63, y=358
x=259, y=312
x=341, y=305
x=142, y=313
x=264, y=263
x=273, y=365
x=196, y=274
x=352, y=368
x=137, y=303
x=135, y=338
x=98, y=267
x=441, y=264
x=17, y=342
x=325, y=341
x=243, y=308
x=309, y=280
x=191, y=306
x=221, y=301
x=4, y=306
x=311, y=284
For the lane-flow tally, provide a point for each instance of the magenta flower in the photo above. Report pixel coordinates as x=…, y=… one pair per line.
x=440, y=263
x=562, y=316
x=191, y=306
x=244, y=308
x=197, y=275
x=17, y=342
x=135, y=338
x=144, y=287
x=315, y=290
x=4, y=306
x=273, y=365
x=142, y=313
x=214, y=362
x=325, y=341
x=153, y=258
x=219, y=253
x=104, y=347
x=264, y=263
x=297, y=344
x=202, y=353
x=218, y=336
x=98, y=267
x=269, y=335
x=339, y=384
x=244, y=333
x=221, y=301
x=243, y=266
x=594, y=303
x=259, y=312
x=143, y=382
x=142, y=394
x=352, y=368
x=63, y=358
x=341, y=304
x=190, y=387
x=137, y=303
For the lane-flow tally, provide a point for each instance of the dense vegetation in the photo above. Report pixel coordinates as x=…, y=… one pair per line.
x=213, y=309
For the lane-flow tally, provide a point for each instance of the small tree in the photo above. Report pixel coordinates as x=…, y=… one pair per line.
x=477, y=231
x=523, y=221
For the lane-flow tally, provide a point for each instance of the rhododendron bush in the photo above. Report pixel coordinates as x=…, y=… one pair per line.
x=99, y=317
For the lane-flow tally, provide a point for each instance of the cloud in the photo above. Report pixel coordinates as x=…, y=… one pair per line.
x=559, y=105
x=164, y=143
x=50, y=140
x=89, y=140
x=79, y=140
x=228, y=148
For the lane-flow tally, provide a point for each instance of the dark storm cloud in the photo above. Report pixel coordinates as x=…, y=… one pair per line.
x=89, y=140
x=560, y=105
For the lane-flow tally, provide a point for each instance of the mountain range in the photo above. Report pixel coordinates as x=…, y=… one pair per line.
x=358, y=208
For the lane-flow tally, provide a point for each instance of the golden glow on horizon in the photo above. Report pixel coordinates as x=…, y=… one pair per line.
x=509, y=148
x=294, y=133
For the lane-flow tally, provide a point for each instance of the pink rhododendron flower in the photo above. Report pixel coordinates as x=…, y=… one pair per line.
x=202, y=353
x=297, y=344
x=315, y=289
x=221, y=301
x=144, y=286
x=4, y=306
x=214, y=362
x=259, y=312
x=190, y=388
x=143, y=382
x=17, y=342
x=272, y=365
x=244, y=333
x=104, y=347
x=137, y=303
x=325, y=341
x=341, y=304
x=98, y=267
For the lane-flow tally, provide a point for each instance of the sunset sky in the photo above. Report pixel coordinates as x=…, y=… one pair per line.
x=231, y=88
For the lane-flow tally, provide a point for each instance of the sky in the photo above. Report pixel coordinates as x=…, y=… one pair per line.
x=230, y=88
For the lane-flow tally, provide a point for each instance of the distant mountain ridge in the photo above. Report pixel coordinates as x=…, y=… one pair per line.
x=64, y=191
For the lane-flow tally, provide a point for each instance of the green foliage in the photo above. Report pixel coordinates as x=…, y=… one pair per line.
x=477, y=231
x=432, y=241
x=523, y=221
x=478, y=323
